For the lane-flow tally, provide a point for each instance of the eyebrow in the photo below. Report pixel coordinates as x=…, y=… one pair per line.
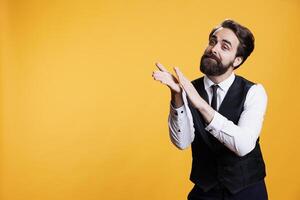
x=224, y=40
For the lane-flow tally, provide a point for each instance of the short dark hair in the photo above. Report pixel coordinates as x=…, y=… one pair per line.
x=244, y=35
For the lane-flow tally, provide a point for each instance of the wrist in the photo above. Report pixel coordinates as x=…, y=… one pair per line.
x=176, y=99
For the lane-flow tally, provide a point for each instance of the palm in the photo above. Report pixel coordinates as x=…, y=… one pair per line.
x=166, y=78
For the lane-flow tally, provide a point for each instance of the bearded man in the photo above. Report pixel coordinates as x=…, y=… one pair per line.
x=220, y=115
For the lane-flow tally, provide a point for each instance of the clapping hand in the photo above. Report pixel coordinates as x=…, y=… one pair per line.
x=178, y=83
x=189, y=89
x=166, y=78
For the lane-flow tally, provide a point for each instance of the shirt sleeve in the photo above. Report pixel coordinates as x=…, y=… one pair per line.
x=180, y=123
x=241, y=138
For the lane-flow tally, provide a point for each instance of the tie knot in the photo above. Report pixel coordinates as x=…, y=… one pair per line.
x=214, y=87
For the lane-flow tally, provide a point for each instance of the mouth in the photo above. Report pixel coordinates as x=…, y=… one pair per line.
x=212, y=58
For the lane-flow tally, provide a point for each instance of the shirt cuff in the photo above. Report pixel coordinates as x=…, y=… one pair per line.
x=217, y=123
x=177, y=112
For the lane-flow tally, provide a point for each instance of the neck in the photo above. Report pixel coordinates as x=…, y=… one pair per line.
x=220, y=78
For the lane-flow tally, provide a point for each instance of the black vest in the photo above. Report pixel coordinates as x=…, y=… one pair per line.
x=213, y=162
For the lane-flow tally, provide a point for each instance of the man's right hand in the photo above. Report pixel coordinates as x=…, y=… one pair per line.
x=166, y=78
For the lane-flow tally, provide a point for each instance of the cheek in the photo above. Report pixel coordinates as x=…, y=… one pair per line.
x=227, y=58
x=208, y=49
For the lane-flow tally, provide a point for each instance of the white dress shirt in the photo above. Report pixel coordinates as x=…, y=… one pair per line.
x=240, y=138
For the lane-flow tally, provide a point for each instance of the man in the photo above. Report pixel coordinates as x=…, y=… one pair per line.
x=220, y=115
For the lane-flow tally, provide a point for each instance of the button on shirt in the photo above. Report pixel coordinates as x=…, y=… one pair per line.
x=240, y=138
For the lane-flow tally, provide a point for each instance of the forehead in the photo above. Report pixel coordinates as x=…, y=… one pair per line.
x=227, y=35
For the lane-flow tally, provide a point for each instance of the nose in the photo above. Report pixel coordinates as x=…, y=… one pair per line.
x=214, y=49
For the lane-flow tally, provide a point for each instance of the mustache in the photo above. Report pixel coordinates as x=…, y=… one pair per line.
x=213, y=56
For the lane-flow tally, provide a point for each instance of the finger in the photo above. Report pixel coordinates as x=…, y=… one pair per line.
x=183, y=81
x=158, y=76
x=160, y=79
x=179, y=77
x=161, y=67
x=179, y=74
x=177, y=70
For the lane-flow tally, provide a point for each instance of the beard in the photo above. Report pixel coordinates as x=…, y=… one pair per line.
x=211, y=65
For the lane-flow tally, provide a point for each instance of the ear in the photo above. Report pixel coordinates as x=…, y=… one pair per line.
x=237, y=61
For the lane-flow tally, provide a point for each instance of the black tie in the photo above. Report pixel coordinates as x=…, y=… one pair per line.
x=214, y=97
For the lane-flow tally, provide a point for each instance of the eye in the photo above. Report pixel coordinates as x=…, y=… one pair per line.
x=225, y=47
x=212, y=42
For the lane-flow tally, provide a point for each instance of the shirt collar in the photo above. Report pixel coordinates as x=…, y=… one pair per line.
x=224, y=85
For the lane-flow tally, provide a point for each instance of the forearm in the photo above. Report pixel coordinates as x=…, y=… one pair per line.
x=181, y=127
x=180, y=133
x=241, y=137
x=238, y=138
x=206, y=111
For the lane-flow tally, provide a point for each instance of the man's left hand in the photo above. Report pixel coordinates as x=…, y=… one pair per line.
x=190, y=90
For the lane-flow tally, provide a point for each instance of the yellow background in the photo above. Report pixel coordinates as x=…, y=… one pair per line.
x=82, y=118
